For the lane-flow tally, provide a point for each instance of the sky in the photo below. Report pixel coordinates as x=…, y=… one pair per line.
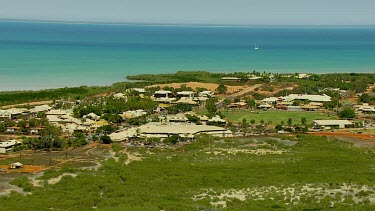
x=228, y=12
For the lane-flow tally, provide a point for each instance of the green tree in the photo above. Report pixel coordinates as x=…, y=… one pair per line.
x=115, y=118
x=192, y=118
x=251, y=103
x=303, y=120
x=106, y=139
x=279, y=127
x=173, y=139
x=290, y=122
x=347, y=113
x=2, y=128
x=211, y=106
x=221, y=89
x=226, y=102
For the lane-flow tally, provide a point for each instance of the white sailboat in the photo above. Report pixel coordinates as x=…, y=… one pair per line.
x=256, y=47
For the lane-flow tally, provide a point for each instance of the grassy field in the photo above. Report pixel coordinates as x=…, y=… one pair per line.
x=275, y=116
x=305, y=173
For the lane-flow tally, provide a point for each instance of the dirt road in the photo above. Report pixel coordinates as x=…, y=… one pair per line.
x=244, y=91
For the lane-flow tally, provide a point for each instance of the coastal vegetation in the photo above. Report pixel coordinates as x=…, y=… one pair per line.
x=317, y=83
x=16, y=97
x=279, y=173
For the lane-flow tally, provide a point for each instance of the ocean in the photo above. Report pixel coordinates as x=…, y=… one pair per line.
x=50, y=55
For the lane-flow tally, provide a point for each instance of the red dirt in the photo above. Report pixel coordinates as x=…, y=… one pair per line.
x=370, y=137
x=24, y=169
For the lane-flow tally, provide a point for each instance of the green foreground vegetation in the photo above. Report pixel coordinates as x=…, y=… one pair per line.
x=192, y=177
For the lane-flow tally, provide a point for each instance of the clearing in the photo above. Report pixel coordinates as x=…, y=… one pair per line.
x=194, y=85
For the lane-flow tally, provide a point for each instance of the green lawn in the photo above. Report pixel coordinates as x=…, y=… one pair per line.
x=170, y=179
x=275, y=116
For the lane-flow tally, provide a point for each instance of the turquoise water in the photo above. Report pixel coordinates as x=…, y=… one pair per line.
x=49, y=55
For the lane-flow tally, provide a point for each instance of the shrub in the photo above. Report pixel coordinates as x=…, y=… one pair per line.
x=23, y=182
x=106, y=139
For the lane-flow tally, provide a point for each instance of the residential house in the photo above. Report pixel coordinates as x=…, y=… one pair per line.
x=163, y=96
x=187, y=131
x=186, y=94
x=7, y=146
x=206, y=94
x=327, y=124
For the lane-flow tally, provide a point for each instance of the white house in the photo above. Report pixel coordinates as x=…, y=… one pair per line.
x=331, y=123
x=313, y=98
x=123, y=135
x=13, y=113
x=7, y=146
x=184, y=131
x=163, y=96
x=40, y=108
x=186, y=94
x=207, y=94
x=133, y=114
x=270, y=100
x=119, y=96
x=302, y=75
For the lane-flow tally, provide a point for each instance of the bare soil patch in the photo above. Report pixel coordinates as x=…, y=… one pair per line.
x=24, y=169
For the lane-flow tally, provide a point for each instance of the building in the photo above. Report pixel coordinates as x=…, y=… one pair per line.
x=313, y=98
x=186, y=101
x=163, y=96
x=185, y=94
x=230, y=79
x=264, y=106
x=133, y=114
x=40, y=108
x=57, y=112
x=13, y=129
x=207, y=94
x=254, y=77
x=366, y=108
x=240, y=104
x=139, y=90
x=13, y=113
x=36, y=130
x=217, y=120
x=312, y=106
x=302, y=75
x=270, y=100
x=7, y=146
x=123, y=135
x=16, y=165
x=119, y=96
x=183, y=131
x=328, y=124
x=92, y=116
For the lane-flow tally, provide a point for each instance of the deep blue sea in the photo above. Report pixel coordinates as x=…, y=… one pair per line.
x=48, y=55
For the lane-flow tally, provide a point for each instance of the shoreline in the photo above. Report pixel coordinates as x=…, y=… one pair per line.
x=126, y=80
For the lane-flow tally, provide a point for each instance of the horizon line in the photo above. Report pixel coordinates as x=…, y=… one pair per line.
x=179, y=24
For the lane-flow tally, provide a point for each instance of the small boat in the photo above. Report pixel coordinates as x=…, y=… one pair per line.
x=256, y=47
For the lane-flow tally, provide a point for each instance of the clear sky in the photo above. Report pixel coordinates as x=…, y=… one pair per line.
x=243, y=12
